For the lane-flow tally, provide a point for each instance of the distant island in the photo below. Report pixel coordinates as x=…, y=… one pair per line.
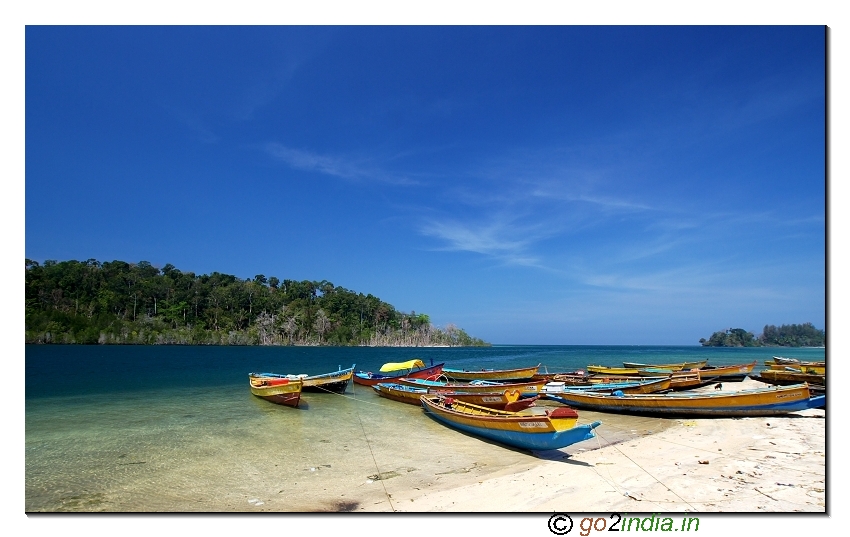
x=89, y=302
x=787, y=335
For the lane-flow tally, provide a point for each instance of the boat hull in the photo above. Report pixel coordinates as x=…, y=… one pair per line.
x=772, y=401
x=506, y=400
x=367, y=378
x=336, y=381
x=491, y=374
x=680, y=366
x=524, y=432
x=651, y=386
x=286, y=392
x=526, y=388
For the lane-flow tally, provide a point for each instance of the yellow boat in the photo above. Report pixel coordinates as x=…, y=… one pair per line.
x=769, y=401
x=675, y=367
x=283, y=390
x=633, y=371
x=802, y=367
x=467, y=375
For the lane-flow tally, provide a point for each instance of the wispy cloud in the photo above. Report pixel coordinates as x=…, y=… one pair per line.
x=498, y=239
x=345, y=168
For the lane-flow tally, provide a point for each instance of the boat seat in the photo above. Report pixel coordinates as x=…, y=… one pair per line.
x=562, y=412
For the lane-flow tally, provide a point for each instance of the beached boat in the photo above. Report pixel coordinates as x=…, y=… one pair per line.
x=799, y=368
x=467, y=375
x=527, y=389
x=729, y=372
x=636, y=386
x=571, y=377
x=410, y=369
x=689, y=380
x=768, y=401
x=505, y=400
x=336, y=381
x=676, y=367
x=280, y=390
x=632, y=371
x=554, y=429
x=782, y=377
x=794, y=361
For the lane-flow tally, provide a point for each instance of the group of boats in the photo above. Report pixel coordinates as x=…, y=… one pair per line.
x=500, y=404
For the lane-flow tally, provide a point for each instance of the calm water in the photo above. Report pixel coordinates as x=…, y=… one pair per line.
x=163, y=429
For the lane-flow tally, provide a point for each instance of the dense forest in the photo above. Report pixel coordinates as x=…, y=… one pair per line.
x=787, y=335
x=90, y=302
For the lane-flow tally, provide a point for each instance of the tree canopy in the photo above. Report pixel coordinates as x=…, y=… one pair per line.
x=136, y=303
x=790, y=335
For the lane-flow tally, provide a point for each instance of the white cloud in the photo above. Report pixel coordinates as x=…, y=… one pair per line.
x=344, y=168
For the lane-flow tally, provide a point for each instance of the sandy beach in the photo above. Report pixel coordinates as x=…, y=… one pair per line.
x=732, y=465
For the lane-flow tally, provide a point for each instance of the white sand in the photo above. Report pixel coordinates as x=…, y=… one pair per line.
x=771, y=464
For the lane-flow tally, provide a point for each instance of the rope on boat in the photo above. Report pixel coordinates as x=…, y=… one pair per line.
x=365, y=436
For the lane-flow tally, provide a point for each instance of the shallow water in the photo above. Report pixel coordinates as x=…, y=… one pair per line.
x=175, y=429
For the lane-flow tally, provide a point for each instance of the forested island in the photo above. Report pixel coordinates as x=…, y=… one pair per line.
x=89, y=302
x=787, y=335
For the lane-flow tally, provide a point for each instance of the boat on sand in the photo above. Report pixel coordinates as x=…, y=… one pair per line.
x=553, y=429
x=767, y=401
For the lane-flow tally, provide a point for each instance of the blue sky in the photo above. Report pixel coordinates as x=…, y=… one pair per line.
x=530, y=184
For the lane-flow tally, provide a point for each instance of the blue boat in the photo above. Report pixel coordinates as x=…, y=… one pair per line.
x=553, y=430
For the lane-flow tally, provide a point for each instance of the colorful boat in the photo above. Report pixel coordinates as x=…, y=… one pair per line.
x=336, y=382
x=525, y=388
x=632, y=371
x=689, y=381
x=802, y=367
x=768, y=401
x=505, y=400
x=410, y=369
x=280, y=390
x=467, y=375
x=729, y=372
x=637, y=386
x=554, y=429
x=778, y=376
x=683, y=365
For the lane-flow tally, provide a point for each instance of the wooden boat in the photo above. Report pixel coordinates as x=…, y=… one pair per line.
x=631, y=371
x=336, y=382
x=504, y=400
x=684, y=365
x=280, y=390
x=799, y=368
x=553, y=430
x=410, y=369
x=570, y=377
x=525, y=388
x=637, y=386
x=768, y=401
x=794, y=361
x=689, y=381
x=729, y=372
x=467, y=375
x=778, y=376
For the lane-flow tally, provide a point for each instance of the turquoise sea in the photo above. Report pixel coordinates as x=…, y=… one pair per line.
x=175, y=428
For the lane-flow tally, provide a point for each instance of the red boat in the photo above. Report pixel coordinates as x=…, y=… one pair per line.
x=410, y=369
